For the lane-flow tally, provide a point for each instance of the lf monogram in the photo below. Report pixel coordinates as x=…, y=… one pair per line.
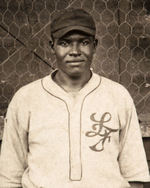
x=99, y=129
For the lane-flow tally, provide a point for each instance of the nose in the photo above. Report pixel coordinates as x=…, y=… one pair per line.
x=75, y=50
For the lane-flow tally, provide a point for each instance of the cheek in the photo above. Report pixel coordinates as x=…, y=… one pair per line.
x=88, y=52
x=60, y=52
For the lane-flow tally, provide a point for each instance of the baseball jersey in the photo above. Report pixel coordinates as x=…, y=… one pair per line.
x=55, y=139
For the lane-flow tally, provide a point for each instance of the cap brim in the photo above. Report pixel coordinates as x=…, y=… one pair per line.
x=64, y=31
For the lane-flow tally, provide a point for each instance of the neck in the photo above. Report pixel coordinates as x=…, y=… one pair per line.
x=71, y=83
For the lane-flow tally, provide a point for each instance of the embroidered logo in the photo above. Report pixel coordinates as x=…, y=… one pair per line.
x=99, y=129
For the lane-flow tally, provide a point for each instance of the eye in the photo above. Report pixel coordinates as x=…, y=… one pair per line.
x=85, y=42
x=63, y=43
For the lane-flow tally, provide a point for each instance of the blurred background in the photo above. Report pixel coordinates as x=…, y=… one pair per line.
x=123, y=53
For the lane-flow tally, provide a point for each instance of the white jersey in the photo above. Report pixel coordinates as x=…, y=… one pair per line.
x=55, y=139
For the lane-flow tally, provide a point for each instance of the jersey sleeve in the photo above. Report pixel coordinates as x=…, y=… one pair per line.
x=132, y=158
x=14, y=149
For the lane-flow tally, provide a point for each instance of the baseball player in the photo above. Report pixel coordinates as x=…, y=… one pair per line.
x=72, y=128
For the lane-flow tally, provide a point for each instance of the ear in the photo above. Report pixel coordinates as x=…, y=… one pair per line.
x=51, y=43
x=95, y=42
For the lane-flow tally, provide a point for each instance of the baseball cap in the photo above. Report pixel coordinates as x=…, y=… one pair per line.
x=72, y=19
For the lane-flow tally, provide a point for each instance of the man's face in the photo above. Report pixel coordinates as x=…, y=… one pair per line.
x=74, y=53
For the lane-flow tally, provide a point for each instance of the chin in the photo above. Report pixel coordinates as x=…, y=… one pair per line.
x=75, y=75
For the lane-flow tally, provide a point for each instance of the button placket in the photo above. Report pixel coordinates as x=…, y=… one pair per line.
x=75, y=141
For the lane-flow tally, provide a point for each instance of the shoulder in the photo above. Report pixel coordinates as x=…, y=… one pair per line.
x=26, y=94
x=29, y=89
x=115, y=91
x=114, y=86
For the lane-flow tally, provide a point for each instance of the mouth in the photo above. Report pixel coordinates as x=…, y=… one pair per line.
x=75, y=61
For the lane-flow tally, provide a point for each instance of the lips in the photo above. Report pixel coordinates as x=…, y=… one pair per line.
x=75, y=61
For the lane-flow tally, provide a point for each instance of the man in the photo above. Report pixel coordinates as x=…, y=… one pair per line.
x=73, y=128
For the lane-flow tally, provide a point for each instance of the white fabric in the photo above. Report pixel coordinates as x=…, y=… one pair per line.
x=53, y=139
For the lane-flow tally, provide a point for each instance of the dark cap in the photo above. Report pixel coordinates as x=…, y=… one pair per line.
x=72, y=19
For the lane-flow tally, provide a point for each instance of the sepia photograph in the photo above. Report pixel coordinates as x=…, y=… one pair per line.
x=74, y=93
